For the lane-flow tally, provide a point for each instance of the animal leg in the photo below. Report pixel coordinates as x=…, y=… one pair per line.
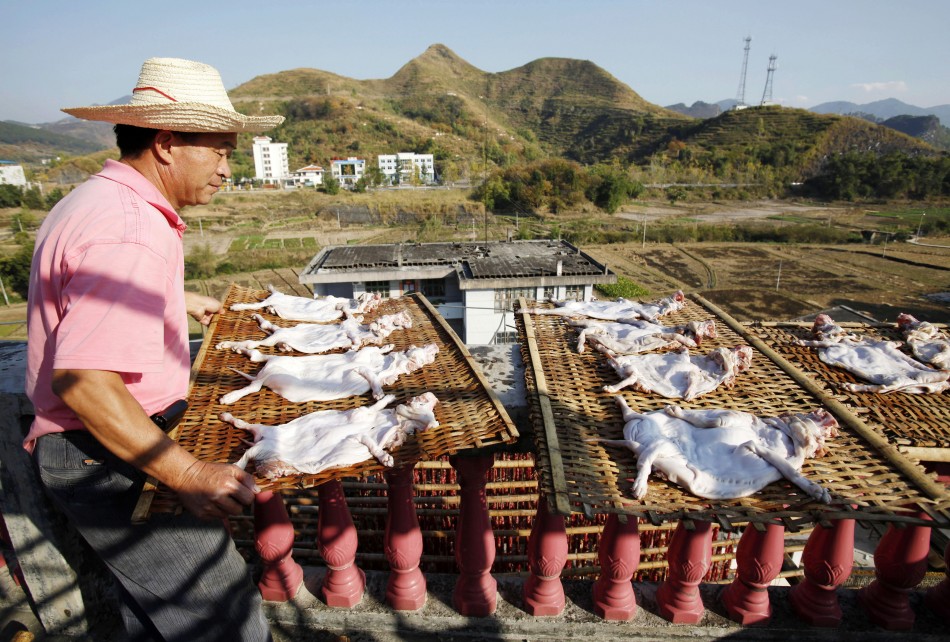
x=234, y=395
x=628, y=414
x=255, y=429
x=374, y=381
x=623, y=383
x=790, y=473
x=237, y=346
x=376, y=450
x=645, y=464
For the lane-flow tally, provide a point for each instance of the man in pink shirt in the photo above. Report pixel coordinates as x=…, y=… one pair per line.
x=108, y=348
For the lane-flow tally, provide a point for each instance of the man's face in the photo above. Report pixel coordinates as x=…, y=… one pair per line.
x=201, y=166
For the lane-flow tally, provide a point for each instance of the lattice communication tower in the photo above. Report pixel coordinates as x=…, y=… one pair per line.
x=767, y=94
x=740, y=95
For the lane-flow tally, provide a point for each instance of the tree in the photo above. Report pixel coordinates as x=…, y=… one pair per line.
x=15, y=270
x=374, y=176
x=201, y=263
x=331, y=186
x=675, y=193
x=10, y=196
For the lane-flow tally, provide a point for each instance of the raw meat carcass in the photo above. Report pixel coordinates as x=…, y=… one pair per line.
x=679, y=375
x=301, y=308
x=325, y=377
x=334, y=438
x=632, y=337
x=313, y=338
x=879, y=362
x=725, y=454
x=929, y=343
x=621, y=309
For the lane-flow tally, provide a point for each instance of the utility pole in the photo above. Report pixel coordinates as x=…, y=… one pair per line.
x=919, y=225
x=778, y=279
x=740, y=95
x=770, y=73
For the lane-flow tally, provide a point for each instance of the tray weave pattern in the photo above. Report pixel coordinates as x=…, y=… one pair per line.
x=568, y=408
x=469, y=413
x=905, y=419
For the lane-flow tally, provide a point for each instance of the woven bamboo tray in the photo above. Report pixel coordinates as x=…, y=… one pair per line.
x=469, y=413
x=868, y=479
x=913, y=422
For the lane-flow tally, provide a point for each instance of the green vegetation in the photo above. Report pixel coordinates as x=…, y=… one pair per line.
x=852, y=176
x=624, y=287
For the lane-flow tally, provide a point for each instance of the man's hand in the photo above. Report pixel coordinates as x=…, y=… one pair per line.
x=200, y=307
x=214, y=491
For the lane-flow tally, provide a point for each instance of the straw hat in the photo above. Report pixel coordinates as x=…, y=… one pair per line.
x=178, y=95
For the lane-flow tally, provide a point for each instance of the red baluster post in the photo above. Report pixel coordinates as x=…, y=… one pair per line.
x=619, y=555
x=900, y=563
x=282, y=577
x=406, y=588
x=547, y=555
x=938, y=598
x=689, y=556
x=758, y=561
x=344, y=583
x=476, y=592
x=828, y=559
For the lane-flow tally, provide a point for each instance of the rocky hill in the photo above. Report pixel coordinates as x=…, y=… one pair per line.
x=472, y=120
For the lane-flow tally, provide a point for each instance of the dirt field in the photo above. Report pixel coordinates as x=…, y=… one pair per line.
x=781, y=282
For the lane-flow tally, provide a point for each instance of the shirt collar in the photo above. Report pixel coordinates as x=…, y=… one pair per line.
x=128, y=176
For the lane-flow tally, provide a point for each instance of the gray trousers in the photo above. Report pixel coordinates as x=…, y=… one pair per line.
x=181, y=577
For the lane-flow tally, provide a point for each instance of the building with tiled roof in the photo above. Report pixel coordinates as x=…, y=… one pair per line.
x=473, y=285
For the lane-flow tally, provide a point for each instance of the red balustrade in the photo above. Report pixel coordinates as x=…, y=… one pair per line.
x=476, y=591
x=406, y=588
x=619, y=555
x=689, y=556
x=547, y=555
x=938, y=597
x=900, y=563
x=282, y=577
x=828, y=559
x=344, y=583
x=758, y=561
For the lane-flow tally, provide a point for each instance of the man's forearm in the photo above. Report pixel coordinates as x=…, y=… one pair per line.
x=107, y=409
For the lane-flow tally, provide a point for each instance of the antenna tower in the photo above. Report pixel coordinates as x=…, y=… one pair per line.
x=767, y=94
x=740, y=95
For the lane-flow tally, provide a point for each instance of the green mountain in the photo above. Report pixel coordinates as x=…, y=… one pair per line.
x=29, y=144
x=473, y=120
x=441, y=104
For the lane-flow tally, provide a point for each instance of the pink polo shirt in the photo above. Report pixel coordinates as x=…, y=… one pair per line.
x=107, y=293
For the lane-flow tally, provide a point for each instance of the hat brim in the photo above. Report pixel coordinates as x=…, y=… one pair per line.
x=179, y=117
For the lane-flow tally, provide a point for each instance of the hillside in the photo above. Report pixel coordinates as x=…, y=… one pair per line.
x=473, y=121
x=926, y=128
x=23, y=143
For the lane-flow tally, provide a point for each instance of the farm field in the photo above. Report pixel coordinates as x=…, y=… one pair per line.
x=770, y=282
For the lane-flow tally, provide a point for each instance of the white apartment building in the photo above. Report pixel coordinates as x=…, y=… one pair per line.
x=347, y=170
x=270, y=161
x=474, y=286
x=12, y=174
x=402, y=167
x=309, y=176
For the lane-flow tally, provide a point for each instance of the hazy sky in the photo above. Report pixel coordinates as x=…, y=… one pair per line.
x=69, y=53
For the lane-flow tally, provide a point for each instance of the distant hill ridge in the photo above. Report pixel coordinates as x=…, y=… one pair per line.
x=551, y=107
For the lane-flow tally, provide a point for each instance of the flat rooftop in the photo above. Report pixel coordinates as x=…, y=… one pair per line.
x=471, y=261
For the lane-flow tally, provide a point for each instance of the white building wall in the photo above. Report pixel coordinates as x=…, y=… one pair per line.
x=407, y=164
x=271, y=163
x=12, y=174
x=358, y=166
x=481, y=320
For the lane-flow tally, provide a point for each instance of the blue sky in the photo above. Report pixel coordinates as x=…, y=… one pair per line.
x=64, y=53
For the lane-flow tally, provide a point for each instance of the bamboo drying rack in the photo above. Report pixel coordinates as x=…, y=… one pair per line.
x=869, y=479
x=917, y=424
x=469, y=412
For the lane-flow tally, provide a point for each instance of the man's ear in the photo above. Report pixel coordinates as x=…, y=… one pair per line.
x=162, y=146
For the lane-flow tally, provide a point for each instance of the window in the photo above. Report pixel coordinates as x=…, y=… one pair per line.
x=433, y=289
x=505, y=337
x=378, y=287
x=505, y=297
x=574, y=293
x=549, y=293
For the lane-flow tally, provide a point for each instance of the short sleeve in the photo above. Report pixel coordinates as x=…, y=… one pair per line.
x=113, y=299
